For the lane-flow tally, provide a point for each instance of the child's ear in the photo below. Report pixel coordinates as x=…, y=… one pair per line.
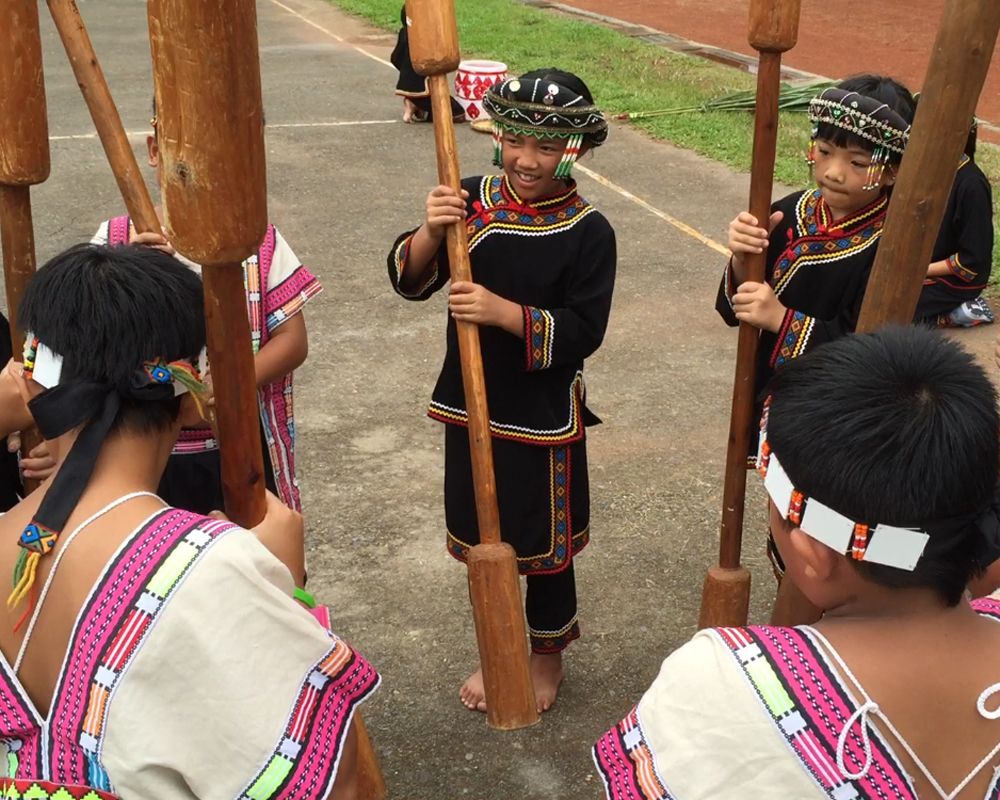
x=818, y=561
x=153, y=151
x=889, y=178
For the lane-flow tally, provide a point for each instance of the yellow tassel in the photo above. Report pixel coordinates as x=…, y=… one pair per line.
x=27, y=581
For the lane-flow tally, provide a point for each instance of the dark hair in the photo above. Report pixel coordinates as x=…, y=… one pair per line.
x=898, y=427
x=884, y=90
x=106, y=310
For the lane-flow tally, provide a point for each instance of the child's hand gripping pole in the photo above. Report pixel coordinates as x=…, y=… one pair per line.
x=955, y=76
x=726, y=593
x=24, y=158
x=213, y=181
x=109, y=126
x=493, y=581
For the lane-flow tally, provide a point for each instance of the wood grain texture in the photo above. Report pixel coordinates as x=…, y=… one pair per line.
x=24, y=126
x=955, y=77
x=211, y=127
x=433, y=36
x=774, y=25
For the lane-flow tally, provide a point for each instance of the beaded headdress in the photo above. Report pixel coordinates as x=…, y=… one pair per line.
x=875, y=543
x=867, y=118
x=63, y=406
x=536, y=104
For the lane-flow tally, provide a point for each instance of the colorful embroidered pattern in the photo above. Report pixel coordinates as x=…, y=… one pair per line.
x=554, y=641
x=399, y=257
x=43, y=790
x=572, y=431
x=564, y=543
x=859, y=544
x=539, y=332
x=267, y=309
x=987, y=607
x=627, y=764
x=36, y=538
x=810, y=707
x=814, y=244
x=960, y=270
x=500, y=210
x=793, y=337
x=130, y=634
x=306, y=756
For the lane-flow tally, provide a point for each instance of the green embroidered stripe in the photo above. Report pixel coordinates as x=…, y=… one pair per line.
x=764, y=678
x=271, y=778
x=172, y=568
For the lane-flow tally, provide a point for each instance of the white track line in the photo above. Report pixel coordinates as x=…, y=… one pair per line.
x=343, y=124
x=683, y=227
x=331, y=34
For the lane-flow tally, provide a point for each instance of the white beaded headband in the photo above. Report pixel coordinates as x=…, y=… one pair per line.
x=876, y=544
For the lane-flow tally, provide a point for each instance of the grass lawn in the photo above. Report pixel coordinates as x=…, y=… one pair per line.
x=628, y=75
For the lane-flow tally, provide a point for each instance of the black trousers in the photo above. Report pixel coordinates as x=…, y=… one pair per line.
x=550, y=606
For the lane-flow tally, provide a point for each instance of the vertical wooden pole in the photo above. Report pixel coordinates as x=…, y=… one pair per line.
x=214, y=188
x=726, y=591
x=24, y=159
x=955, y=77
x=493, y=580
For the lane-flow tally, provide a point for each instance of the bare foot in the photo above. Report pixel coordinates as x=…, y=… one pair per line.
x=408, y=109
x=473, y=693
x=546, y=675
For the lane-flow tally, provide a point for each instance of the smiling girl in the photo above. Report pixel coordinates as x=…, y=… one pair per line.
x=543, y=260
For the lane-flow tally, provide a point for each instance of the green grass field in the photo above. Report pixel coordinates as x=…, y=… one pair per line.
x=626, y=75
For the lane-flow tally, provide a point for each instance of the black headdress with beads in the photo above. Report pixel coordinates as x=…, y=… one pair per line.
x=870, y=120
x=546, y=103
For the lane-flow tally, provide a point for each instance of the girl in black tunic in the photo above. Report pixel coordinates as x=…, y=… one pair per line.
x=543, y=260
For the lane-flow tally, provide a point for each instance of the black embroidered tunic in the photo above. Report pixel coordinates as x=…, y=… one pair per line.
x=819, y=271
x=556, y=258
x=965, y=241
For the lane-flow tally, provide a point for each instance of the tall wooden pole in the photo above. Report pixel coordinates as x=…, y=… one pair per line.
x=493, y=581
x=214, y=189
x=102, y=108
x=955, y=77
x=726, y=591
x=24, y=158
x=206, y=69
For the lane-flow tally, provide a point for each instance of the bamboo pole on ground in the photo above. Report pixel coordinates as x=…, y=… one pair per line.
x=726, y=591
x=493, y=580
x=955, y=76
x=90, y=78
x=24, y=160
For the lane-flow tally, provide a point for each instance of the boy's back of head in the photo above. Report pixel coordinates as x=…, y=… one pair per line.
x=897, y=428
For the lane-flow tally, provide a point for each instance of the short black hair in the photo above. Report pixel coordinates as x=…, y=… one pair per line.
x=897, y=427
x=878, y=87
x=106, y=310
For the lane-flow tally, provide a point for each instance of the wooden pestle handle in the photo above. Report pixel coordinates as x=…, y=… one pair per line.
x=480, y=442
x=213, y=180
x=955, y=77
x=109, y=126
x=773, y=29
x=774, y=25
x=432, y=31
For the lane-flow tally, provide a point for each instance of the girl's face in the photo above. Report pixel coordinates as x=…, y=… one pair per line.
x=841, y=173
x=530, y=164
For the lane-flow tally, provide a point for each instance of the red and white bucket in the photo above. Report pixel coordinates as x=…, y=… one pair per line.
x=471, y=82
